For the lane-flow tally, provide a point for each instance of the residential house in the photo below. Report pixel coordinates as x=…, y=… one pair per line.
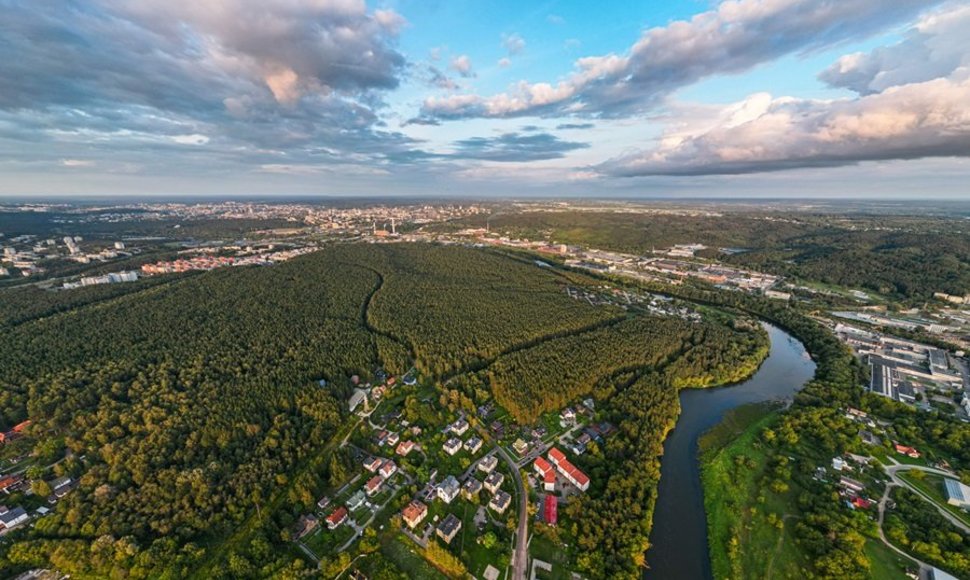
x=868, y=438
x=393, y=439
x=907, y=451
x=569, y=471
x=494, y=481
x=11, y=518
x=500, y=502
x=567, y=417
x=9, y=482
x=388, y=469
x=459, y=427
x=549, y=481
x=488, y=464
x=546, y=473
x=413, y=513
x=356, y=500
x=471, y=488
x=323, y=503
x=373, y=485
x=520, y=446
x=306, y=524
x=448, y=489
x=373, y=464
x=337, y=517
x=452, y=446
x=473, y=445
x=404, y=448
x=448, y=528
x=851, y=485
x=382, y=437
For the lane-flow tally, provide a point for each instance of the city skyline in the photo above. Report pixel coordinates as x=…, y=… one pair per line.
x=788, y=98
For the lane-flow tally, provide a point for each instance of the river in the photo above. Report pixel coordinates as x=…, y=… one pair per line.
x=679, y=536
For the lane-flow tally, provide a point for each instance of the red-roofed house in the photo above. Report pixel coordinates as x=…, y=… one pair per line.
x=414, y=513
x=373, y=485
x=19, y=427
x=336, y=518
x=9, y=481
x=907, y=451
x=556, y=456
x=551, y=511
x=541, y=466
x=404, y=448
x=549, y=481
x=388, y=469
x=568, y=470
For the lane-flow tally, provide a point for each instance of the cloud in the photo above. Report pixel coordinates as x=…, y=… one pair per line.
x=462, y=65
x=438, y=79
x=512, y=147
x=76, y=163
x=732, y=38
x=938, y=44
x=912, y=121
x=426, y=121
x=513, y=43
x=574, y=126
x=237, y=80
x=555, y=19
x=504, y=62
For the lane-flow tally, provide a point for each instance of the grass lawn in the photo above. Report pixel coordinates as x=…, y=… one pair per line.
x=748, y=538
x=542, y=548
x=323, y=542
x=932, y=485
x=906, y=459
x=884, y=563
x=399, y=551
x=475, y=555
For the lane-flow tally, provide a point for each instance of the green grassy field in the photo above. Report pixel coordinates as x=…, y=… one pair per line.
x=739, y=511
x=399, y=552
x=884, y=563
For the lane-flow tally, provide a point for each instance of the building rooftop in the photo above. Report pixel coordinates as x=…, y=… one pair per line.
x=449, y=525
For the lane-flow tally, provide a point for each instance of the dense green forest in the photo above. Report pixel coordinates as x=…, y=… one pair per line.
x=907, y=257
x=189, y=410
x=921, y=530
x=546, y=377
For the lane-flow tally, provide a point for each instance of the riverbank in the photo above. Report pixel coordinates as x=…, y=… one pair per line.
x=741, y=510
x=679, y=538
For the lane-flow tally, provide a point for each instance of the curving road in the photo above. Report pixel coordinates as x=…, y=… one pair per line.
x=520, y=554
x=892, y=470
x=924, y=568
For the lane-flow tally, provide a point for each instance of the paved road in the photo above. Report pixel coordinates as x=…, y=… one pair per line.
x=893, y=470
x=520, y=559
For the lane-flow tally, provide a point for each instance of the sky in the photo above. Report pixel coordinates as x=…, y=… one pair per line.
x=741, y=98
